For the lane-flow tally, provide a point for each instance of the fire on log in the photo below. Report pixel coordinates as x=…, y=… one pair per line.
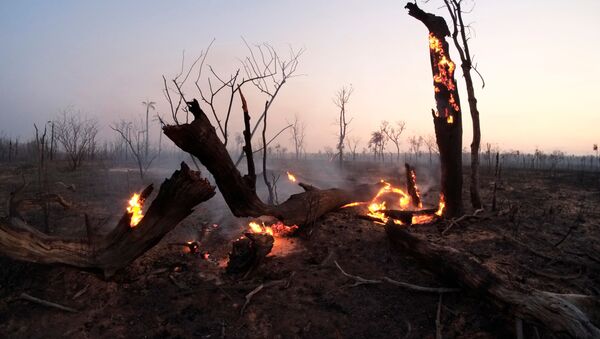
x=123, y=244
x=575, y=315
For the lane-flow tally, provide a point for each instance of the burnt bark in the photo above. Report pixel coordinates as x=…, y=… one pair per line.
x=200, y=139
x=411, y=186
x=577, y=316
x=123, y=244
x=447, y=118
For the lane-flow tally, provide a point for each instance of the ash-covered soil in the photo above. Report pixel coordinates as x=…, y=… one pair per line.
x=170, y=293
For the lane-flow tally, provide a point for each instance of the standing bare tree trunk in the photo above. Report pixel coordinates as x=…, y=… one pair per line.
x=340, y=100
x=447, y=119
x=454, y=8
x=298, y=133
x=149, y=105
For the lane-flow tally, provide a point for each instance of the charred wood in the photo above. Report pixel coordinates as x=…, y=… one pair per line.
x=577, y=316
x=123, y=244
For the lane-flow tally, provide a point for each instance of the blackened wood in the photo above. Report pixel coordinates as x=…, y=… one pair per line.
x=566, y=314
x=411, y=186
x=123, y=244
x=447, y=118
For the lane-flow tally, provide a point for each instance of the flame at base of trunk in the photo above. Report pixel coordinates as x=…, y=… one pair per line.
x=135, y=209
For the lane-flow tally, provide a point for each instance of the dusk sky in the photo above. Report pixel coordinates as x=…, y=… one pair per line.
x=538, y=57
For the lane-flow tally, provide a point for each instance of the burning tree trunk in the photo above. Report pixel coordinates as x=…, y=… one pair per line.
x=411, y=186
x=200, y=139
x=575, y=315
x=447, y=119
x=122, y=245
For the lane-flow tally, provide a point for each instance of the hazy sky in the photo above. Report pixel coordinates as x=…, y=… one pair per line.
x=539, y=59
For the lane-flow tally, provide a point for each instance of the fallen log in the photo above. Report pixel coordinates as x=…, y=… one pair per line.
x=200, y=139
x=574, y=315
x=119, y=247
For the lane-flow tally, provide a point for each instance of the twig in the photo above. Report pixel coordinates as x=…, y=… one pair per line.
x=81, y=292
x=438, y=319
x=566, y=235
x=422, y=288
x=28, y=297
x=359, y=280
x=519, y=328
x=177, y=283
x=258, y=289
x=363, y=281
x=408, y=329
x=461, y=218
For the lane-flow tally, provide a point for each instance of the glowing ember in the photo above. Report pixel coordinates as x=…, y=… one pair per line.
x=291, y=177
x=135, y=209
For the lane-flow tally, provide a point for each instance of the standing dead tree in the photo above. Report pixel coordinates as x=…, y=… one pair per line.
x=264, y=68
x=298, y=131
x=462, y=46
x=149, y=105
x=135, y=143
x=447, y=118
x=75, y=134
x=352, y=144
x=341, y=100
x=393, y=133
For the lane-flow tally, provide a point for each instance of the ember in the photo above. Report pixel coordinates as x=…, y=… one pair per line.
x=193, y=246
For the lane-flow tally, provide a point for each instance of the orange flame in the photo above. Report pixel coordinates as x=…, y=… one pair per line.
x=444, y=75
x=135, y=209
x=291, y=177
x=352, y=204
x=442, y=206
x=276, y=230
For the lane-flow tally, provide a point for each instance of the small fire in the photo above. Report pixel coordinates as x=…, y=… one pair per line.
x=135, y=209
x=277, y=229
x=377, y=206
x=291, y=177
x=256, y=228
x=441, y=207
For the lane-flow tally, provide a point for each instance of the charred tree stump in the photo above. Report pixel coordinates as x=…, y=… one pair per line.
x=123, y=244
x=248, y=252
x=200, y=139
x=447, y=118
x=411, y=186
x=577, y=316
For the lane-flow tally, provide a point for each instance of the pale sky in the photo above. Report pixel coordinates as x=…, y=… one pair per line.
x=539, y=59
